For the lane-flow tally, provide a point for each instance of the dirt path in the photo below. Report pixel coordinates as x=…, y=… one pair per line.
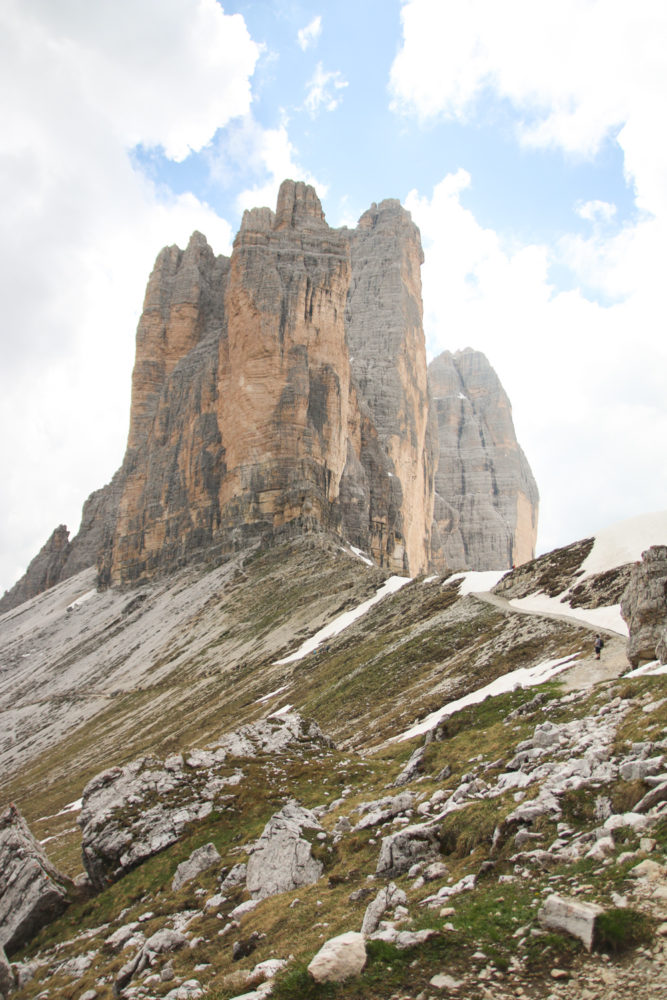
x=587, y=670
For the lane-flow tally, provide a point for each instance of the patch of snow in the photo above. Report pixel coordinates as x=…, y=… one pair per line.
x=362, y=555
x=81, y=600
x=476, y=582
x=70, y=807
x=280, y=711
x=523, y=677
x=390, y=586
x=272, y=694
x=606, y=617
x=624, y=542
x=430, y=579
x=648, y=669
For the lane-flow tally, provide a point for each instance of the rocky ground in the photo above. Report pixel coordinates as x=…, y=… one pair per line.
x=237, y=818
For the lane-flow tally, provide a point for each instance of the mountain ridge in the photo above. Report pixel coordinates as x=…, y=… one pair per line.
x=285, y=390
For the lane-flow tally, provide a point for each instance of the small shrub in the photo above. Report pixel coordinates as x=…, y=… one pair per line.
x=620, y=930
x=295, y=983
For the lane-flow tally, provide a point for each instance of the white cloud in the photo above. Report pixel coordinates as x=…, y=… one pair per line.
x=575, y=72
x=82, y=227
x=323, y=90
x=308, y=36
x=268, y=155
x=587, y=383
x=596, y=211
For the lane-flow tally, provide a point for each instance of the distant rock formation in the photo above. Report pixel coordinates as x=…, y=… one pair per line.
x=644, y=608
x=486, y=499
x=285, y=390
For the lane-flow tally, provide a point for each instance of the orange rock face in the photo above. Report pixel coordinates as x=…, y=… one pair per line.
x=285, y=390
x=247, y=415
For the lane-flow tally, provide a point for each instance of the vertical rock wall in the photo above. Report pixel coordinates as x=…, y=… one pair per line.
x=285, y=389
x=486, y=499
x=388, y=356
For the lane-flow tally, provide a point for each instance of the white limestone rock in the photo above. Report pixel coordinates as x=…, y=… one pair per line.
x=200, y=860
x=32, y=891
x=339, y=958
x=571, y=916
x=282, y=859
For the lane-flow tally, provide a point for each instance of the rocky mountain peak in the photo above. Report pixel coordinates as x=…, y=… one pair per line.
x=298, y=206
x=284, y=390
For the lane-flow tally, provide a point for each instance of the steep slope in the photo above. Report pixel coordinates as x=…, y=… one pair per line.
x=486, y=499
x=183, y=694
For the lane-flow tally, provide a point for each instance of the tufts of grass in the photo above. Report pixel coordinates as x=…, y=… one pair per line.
x=620, y=930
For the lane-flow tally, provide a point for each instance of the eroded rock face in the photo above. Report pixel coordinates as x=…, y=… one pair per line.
x=32, y=891
x=486, y=499
x=644, y=607
x=246, y=418
x=284, y=390
x=282, y=858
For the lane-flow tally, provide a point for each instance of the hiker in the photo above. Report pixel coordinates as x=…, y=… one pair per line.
x=598, y=644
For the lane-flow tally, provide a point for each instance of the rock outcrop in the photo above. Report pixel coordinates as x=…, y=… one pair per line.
x=284, y=390
x=32, y=891
x=486, y=500
x=130, y=813
x=644, y=608
x=282, y=859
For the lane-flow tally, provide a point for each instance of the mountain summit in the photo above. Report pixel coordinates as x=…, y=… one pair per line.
x=285, y=390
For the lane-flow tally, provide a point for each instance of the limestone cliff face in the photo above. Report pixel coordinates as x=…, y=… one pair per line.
x=284, y=390
x=388, y=357
x=486, y=498
x=245, y=415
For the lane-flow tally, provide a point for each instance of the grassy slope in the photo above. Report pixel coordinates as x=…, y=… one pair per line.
x=418, y=648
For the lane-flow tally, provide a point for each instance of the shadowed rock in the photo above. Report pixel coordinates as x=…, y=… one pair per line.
x=32, y=891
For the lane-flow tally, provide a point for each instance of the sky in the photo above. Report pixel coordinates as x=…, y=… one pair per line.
x=526, y=138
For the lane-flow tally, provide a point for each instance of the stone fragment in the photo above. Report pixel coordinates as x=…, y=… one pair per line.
x=652, y=798
x=32, y=891
x=200, y=860
x=191, y=989
x=339, y=958
x=412, y=768
x=387, y=898
x=443, y=981
x=282, y=859
x=571, y=916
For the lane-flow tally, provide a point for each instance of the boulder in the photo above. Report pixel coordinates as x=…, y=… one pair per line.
x=570, y=916
x=400, y=850
x=282, y=859
x=339, y=958
x=199, y=861
x=32, y=891
x=644, y=606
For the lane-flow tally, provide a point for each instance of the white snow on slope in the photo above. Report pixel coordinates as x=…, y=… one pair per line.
x=523, y=677
x=607, y=617
x=475, y=582
x=615, y=546
x=624, y=542
x=343, y=621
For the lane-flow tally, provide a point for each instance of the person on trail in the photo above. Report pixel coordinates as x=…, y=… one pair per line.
x=598, y=644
